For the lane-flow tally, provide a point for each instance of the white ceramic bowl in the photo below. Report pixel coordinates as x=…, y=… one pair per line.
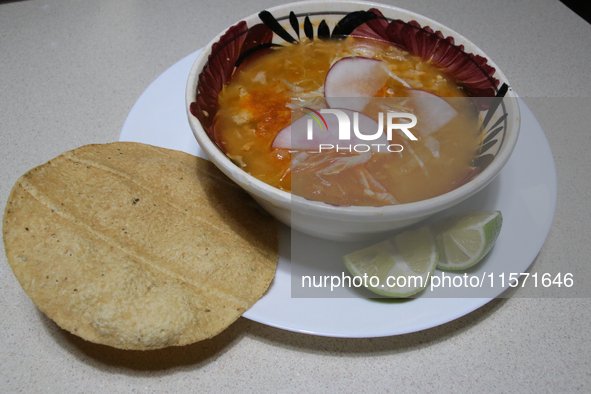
x=345, y=223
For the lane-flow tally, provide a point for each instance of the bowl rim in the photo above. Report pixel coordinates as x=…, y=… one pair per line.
x=288, y=200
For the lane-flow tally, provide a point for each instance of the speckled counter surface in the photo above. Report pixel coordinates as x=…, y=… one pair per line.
x=72, y=70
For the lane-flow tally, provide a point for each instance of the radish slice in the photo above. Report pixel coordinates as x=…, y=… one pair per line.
x=432, y=111
x=295, y=136
x=356, y=78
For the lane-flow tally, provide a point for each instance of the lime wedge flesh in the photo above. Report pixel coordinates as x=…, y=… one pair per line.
x=402, y=264
x=464, y=239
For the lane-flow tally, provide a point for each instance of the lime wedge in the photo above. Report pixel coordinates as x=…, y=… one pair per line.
x=398, y=267
x=464, y=239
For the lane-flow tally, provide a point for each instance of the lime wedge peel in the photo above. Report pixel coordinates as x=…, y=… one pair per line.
x=397, y=267
x=464, y=239
x=401, y=266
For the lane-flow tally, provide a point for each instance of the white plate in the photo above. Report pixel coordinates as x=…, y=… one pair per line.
x=525, y=191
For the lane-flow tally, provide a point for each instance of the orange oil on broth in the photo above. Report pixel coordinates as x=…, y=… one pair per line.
x=256, y=105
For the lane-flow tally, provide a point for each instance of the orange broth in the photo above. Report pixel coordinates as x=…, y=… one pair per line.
x=257, y=104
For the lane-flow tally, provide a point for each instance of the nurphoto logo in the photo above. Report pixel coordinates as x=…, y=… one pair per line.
x=363, y=127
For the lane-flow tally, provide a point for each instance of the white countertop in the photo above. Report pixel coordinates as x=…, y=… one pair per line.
x=72, y=70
